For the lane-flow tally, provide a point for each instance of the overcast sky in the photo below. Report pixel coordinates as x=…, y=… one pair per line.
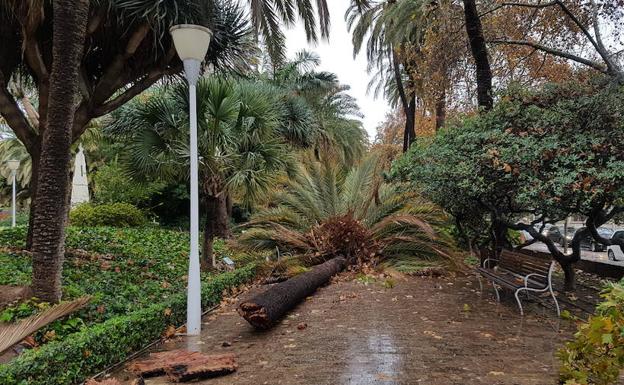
x=337, y=57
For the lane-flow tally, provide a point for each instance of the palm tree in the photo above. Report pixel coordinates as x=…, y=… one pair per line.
x=242, y=145
x=126, y=49
x=70, y=20
x=339, y=131
x=409, y=49
x=325, y=212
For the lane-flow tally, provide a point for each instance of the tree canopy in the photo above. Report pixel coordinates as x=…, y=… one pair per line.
x=537, y=157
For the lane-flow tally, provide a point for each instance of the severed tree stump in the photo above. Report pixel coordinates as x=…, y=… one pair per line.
x=182, y=365
x=265, y=309
x=202, y=367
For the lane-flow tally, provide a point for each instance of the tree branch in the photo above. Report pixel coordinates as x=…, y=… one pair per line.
x=526, y=5
x=109, y=82
x=553, y=51
x=128, y=94
x=593, y=223
x=14, y=117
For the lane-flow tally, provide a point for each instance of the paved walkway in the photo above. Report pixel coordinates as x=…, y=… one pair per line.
x=434, y=331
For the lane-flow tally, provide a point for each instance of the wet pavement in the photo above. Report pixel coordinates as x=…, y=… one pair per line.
x=430, y=331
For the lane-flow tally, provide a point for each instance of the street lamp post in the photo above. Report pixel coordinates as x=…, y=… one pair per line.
x=191, y=43
x=13, y=166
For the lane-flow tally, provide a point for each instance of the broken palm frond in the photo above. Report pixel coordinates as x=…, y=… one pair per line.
x=13, y=333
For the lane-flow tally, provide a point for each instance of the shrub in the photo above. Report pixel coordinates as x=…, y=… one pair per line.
x=84, y=353
x=110, y=214
x=596, y=355
x=113, y=184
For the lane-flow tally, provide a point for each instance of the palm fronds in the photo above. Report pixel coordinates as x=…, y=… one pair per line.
x=324, y=212
x=13, y=333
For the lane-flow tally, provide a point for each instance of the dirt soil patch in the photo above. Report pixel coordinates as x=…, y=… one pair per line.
x=10, y=294
x=434, y=331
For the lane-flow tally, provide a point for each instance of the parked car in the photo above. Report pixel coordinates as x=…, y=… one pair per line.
x=615, y=252
x=554, y=234
x=589, y=243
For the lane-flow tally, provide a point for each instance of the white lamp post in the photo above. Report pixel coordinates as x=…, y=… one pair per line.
x=13, y=166
x=191, y=43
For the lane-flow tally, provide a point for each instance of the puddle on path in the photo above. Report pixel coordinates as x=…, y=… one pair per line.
x=372, y=359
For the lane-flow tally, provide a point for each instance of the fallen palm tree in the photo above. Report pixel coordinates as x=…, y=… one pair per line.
x=265, y=309
x=15, y=332
x=324, y=213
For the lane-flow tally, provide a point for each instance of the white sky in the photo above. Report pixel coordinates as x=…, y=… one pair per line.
x=337, y=57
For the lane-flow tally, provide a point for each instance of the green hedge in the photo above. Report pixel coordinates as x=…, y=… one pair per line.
x=107, y=214
x=91, y=350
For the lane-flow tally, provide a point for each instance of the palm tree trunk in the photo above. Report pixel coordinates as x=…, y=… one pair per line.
x=217, y=219
x=35, y=157
x=480, y=54
x=48, y=233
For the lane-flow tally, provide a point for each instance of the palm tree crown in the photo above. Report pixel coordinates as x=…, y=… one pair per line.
x=325, y=212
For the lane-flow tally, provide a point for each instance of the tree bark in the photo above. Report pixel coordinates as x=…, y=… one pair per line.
x=34, y=175
x=217, y=219
x=48, y=233
x=569, y=276
x=440, y=109
x=480, y=55
x=409, y=135
x=265, y=309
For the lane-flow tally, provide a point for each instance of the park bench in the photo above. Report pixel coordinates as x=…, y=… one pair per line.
x=520, y=273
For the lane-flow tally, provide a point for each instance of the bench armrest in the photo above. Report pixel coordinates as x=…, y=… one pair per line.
x=526, y=278
x=486, y=263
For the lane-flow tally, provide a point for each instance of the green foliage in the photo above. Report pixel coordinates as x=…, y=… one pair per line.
x=596, y=355
x=240, y=135
x=133, y=275
x=114, y=185
x=92, y=349
x=125, y=268
x=551, y=152
x=13, y=236
x=325, y=211
x=107, y=214
x=21, y=219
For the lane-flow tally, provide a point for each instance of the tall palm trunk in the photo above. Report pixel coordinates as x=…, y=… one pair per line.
x=48, y=233
x=217, y=218
x=34, y=175
x=480, y=54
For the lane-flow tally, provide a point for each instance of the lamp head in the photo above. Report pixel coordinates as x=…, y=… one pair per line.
x=13, y=164
x=191, y=41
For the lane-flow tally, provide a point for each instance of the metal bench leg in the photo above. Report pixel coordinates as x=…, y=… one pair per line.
x=516, y=294
x=496, y=291
x=555, y=299
x=480, y=283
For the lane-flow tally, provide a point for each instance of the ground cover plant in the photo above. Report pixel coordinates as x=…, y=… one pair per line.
x=136, y=278
x=124, y=270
